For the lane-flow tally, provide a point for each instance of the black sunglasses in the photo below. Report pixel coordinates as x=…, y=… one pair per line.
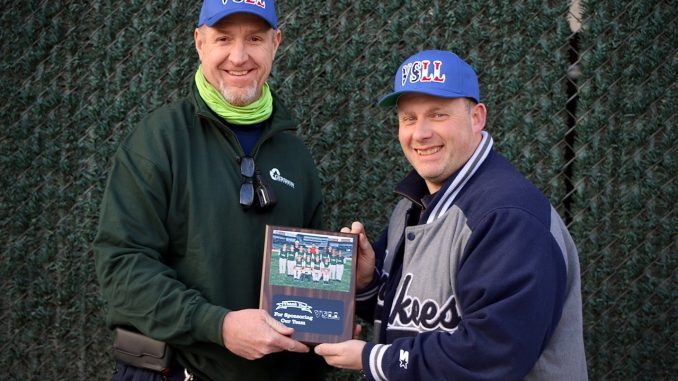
x=253, y=187
x=247, y=186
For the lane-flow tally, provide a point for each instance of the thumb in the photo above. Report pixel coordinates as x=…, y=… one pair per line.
x=323, y=349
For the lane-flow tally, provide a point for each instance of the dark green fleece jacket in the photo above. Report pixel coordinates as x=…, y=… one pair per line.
x=175, y=251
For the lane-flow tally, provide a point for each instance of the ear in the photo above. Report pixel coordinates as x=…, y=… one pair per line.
x=478, y=117
x=277, y=38
x=198, y=42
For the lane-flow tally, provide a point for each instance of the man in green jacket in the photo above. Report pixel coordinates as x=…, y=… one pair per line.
x=180, y=242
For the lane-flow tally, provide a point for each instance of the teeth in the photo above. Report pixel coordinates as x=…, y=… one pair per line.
x=240, y=72
x=428, y=151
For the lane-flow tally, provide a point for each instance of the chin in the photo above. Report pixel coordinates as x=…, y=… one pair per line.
x=239, y=97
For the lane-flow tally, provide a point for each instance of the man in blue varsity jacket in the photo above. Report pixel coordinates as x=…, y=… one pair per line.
x=476, y=276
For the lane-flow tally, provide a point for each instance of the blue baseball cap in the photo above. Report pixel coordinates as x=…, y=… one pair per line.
x=434, y=72
x=214, y=10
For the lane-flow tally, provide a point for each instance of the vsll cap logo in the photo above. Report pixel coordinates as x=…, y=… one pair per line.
x=418, y=71
x=258, y=3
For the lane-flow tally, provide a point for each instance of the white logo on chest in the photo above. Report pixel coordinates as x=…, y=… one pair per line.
x=275, y=176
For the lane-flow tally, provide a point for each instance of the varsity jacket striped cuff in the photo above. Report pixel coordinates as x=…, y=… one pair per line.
x=372, y=357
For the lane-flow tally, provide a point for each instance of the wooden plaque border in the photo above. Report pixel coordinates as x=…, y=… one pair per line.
x=346, y=298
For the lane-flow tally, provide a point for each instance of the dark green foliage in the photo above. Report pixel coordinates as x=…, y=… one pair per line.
x=76, y=76
x=626, y=169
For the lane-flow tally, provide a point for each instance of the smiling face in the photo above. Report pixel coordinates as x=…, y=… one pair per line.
x=237, y=55
x=438, y=135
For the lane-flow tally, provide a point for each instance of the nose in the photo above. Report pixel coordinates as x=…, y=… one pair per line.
x=422, y=130
x=238, y=54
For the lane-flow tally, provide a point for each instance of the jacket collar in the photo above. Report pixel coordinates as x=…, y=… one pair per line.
x=414, y=188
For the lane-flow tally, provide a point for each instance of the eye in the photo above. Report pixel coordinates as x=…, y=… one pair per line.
x=256, y=39
x=438, y=115
x=407, y=119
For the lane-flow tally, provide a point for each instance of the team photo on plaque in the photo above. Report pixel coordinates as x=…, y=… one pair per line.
x=310, y=260
x=308, y=282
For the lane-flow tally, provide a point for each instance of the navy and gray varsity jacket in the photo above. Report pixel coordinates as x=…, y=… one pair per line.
x=479, y=281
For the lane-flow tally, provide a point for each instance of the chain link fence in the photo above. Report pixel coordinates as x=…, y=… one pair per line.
x=582, y=102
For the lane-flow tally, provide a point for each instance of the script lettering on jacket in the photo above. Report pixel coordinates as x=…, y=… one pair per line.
x=258, y=3
x=418, y=71
x=426, y=315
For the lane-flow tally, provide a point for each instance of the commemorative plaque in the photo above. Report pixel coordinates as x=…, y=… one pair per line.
x=308, y=282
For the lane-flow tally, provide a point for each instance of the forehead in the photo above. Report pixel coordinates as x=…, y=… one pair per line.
x=242, y=20
x=411, y=102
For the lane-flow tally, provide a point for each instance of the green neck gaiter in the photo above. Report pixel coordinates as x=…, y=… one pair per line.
x=253, y=113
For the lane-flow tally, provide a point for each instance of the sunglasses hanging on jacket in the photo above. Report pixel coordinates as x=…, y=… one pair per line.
x=253, y=190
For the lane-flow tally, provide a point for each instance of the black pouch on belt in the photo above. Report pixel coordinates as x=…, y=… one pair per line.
x=141, y=351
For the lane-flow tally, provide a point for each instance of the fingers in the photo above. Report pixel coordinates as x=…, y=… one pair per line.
x=296, y=346
x=252, y=334
x=356, y=228
x=278, y=326
x=284, y=343
x=357, y=330
x=366, y=256
x=346, y=355
x=364, y=242
x=325, y=349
